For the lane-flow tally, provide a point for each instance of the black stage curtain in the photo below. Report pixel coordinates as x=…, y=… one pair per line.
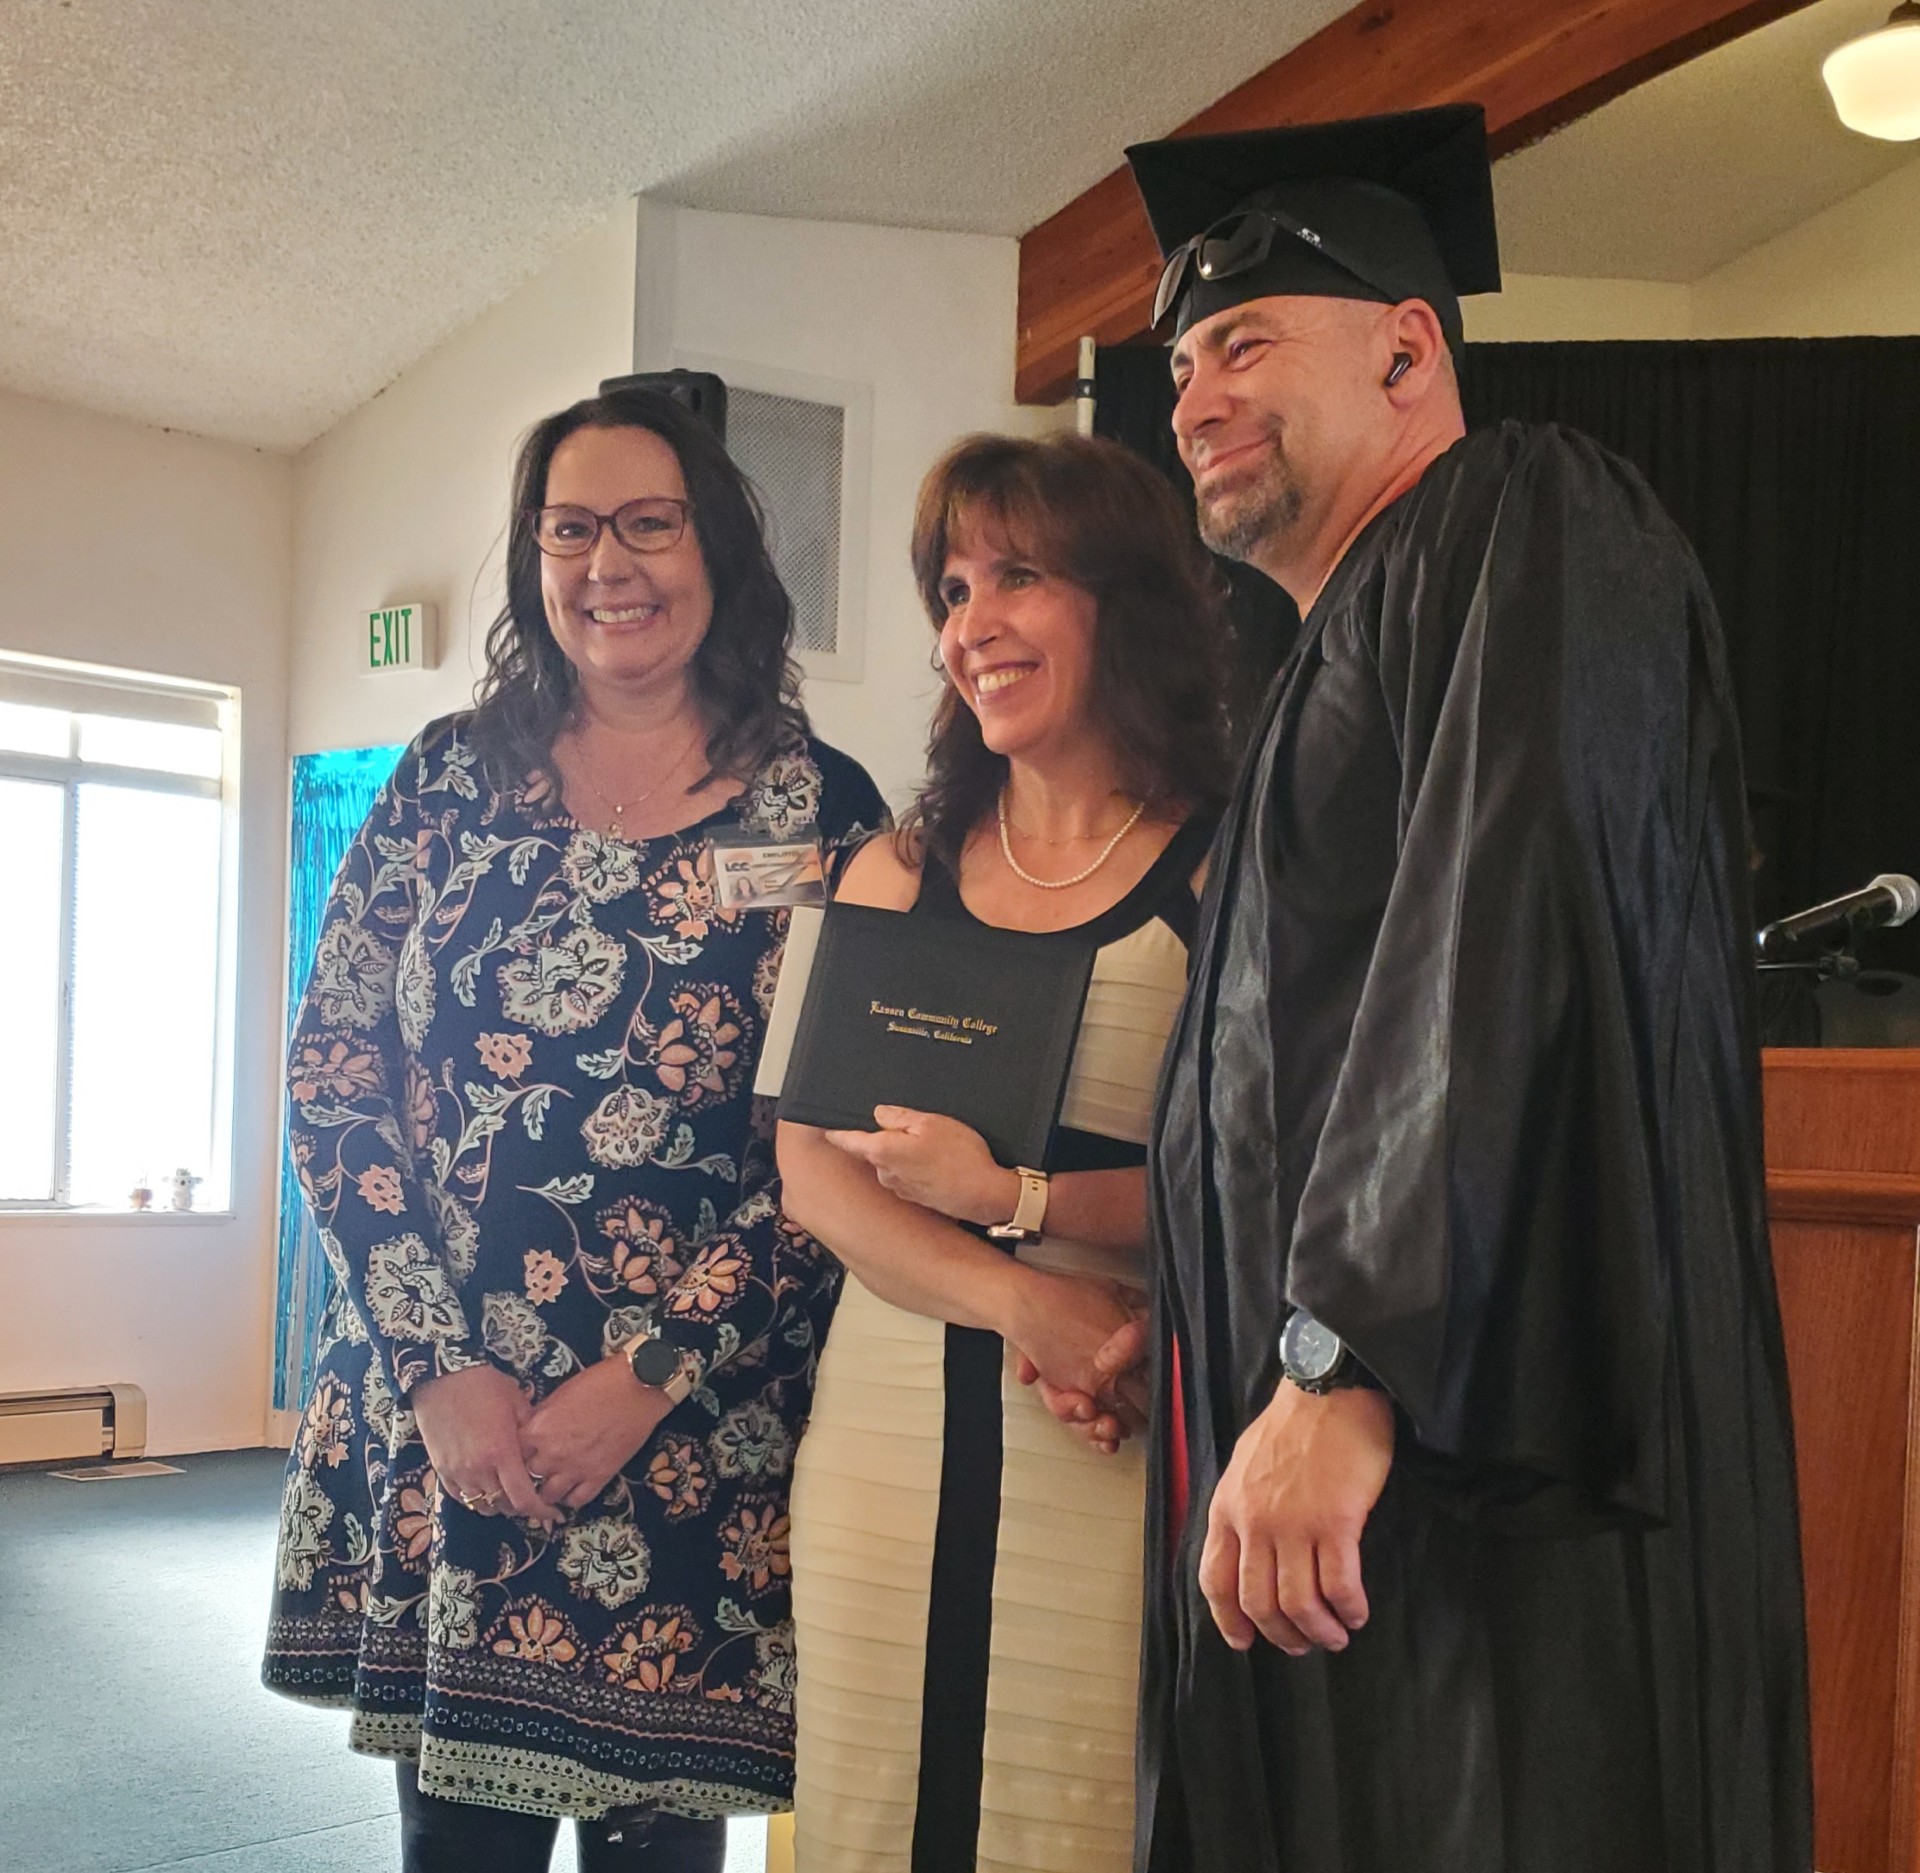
x=1793, y=465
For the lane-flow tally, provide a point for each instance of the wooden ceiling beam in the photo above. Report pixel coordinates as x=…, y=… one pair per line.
x=1534, y=65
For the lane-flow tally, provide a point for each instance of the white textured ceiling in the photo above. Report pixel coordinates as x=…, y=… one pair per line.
x=245, y=217
x=1690, y=170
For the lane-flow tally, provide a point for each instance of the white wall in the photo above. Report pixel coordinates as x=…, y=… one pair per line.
x=926, y=321
x=1848, y=271
x=406, y=499
x=1853, y=269
x=1536, y=307
x=130, y=546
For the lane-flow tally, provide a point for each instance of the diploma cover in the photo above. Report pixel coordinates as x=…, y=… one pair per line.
x=948, y=1017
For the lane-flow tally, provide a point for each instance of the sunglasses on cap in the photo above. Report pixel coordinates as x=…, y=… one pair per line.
x=1239, y=242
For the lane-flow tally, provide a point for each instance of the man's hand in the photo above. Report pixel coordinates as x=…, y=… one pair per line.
x=588, y=1428
x=470, y=1422
x=936, y=1162
x=1282, y=1558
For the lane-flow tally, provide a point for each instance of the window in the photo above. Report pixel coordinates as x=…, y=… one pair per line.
x=116, y=849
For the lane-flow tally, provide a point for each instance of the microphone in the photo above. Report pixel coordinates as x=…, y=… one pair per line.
x=1891, y=899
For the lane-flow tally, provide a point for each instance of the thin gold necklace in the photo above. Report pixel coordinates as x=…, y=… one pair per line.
x=1080, y=877
x=621, y=809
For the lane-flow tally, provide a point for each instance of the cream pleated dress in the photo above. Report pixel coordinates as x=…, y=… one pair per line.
x=966, y=1571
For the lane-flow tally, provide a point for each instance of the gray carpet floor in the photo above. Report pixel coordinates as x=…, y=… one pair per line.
x=134, y=1735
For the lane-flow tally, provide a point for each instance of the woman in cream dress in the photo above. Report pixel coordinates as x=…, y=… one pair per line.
x=966, y=1569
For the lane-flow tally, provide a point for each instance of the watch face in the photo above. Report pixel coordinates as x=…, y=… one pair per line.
x=1308, y=1350
x=654, y=1362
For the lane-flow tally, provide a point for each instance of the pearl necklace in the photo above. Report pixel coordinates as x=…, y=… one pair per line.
x=1079, y=877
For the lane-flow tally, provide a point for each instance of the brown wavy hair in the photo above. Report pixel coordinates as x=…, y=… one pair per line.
x=1094, y=513
x=743, y=673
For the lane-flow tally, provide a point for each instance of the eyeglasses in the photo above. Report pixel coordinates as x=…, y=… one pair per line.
x=651, y=524
x=1236, y=244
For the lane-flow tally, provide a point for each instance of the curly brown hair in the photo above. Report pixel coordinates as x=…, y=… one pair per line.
x=1094, y=513
x=743, y=673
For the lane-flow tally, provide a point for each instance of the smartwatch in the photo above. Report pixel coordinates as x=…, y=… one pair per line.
x=1029, y=1214
x=1314, y=1357
x=659, y=1365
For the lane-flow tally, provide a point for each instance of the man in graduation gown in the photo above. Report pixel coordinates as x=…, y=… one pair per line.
x=1493, y=1564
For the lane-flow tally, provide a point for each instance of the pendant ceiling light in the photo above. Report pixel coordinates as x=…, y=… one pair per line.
x=1875, y=80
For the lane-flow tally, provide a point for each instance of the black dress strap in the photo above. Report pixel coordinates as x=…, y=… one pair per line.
x=1179, y=905
x=939, y=890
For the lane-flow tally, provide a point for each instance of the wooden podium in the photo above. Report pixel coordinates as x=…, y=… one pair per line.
x=1843, y=1190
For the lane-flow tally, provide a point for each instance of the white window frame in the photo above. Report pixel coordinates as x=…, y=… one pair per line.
x=101, y=690
x=847, y=663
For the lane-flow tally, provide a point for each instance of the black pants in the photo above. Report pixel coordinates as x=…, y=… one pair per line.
x=439, y=1836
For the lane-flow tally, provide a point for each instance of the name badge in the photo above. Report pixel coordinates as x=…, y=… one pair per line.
x=755, y=870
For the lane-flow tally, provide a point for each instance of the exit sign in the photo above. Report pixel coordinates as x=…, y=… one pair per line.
x=400, y=637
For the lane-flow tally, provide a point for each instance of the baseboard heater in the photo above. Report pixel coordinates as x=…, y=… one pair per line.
x=87, y=1421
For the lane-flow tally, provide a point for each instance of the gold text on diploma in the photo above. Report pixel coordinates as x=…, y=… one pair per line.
x=962, y=1028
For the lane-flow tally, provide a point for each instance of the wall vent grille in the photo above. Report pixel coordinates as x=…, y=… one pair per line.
x=806, y=444
x=792, y=450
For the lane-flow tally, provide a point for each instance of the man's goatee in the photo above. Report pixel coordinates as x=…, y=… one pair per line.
x=1237, y=528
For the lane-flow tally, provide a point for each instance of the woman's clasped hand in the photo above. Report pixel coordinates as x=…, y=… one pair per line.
x=497, y=1453
x=471, y=1422
x=1113, y=1402
x=1082, y=1343
x=1082, y=1340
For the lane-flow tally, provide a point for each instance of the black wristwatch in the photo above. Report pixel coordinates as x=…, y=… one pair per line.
x=658, y=1363
x=1314, y=1357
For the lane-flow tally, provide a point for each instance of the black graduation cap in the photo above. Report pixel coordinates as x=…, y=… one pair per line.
x=1381, y=208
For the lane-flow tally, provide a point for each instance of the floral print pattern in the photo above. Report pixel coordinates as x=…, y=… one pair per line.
x=676, y=1474
x=627, y=1128
x=409, y=1293
x=340, y=1070
x=521, y=1112
x=697, y=1053
x=644, y=1658
x=786, y=797
x=605, y=1561
x=352, y=982
x=753, y=1545
x=327, y=1427
x=565, y=983
x=539, y=1634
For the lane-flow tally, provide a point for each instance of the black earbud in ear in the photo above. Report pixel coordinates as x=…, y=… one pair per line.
x=1402, y=364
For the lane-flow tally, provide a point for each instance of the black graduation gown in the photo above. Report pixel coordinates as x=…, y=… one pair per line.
x=1469, y=1070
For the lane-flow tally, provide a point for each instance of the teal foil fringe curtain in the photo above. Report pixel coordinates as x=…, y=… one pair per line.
x=332, y=794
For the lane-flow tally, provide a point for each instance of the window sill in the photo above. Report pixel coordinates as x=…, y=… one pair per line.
x=168, y=1218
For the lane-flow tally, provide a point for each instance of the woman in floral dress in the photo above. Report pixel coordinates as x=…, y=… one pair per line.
x=545, y=1579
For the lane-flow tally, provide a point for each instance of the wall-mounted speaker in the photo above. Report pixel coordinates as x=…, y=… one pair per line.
x=702, y=392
